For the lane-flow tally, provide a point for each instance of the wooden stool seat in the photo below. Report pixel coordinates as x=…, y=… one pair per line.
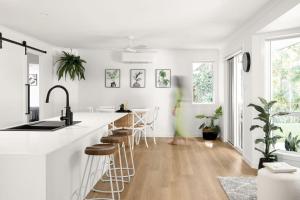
x=100, y=149
x=122, y=132
x=112, y=139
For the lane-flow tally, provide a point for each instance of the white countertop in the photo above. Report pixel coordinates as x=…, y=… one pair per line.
x=44, y=142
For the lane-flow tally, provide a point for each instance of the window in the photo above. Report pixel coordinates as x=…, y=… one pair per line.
x=203, y=83
x=285, y=84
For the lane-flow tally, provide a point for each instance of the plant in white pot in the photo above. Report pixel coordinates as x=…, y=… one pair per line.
x=210, y=131
x=269, y=140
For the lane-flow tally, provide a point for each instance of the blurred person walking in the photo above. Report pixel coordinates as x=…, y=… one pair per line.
x=177, y=110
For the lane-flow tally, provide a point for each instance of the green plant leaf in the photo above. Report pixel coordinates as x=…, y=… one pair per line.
x=259, y=140
x=262, y=119
x=273, y=140
x=218, y=112
x=280, y=114
x=202, y=126
x=201, y=116
x=254, y=127
x=270, y=104
x=261, y=151
x=263, y=101
x=270, y=153
x=256, y=107
x=274, y=128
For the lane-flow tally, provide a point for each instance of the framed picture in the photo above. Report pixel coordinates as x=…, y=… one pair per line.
x=163, y=78
x=112, y=78
x=137, y=78
x=32, y=80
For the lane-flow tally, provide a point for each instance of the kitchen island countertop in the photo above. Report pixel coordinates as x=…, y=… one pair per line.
x=45, y=142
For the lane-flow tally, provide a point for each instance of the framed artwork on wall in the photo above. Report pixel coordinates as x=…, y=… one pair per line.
x=163, y=78
x=32, y=79
x=112, y=78
x=137, y=78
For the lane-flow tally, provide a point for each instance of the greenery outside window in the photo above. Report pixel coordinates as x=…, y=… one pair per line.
x=203, y=83
x=285, y=85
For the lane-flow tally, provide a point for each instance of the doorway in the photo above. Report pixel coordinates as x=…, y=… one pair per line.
x=33, y=84
x=236, y=103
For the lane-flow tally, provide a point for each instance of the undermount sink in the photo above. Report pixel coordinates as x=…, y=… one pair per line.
x=40, y=126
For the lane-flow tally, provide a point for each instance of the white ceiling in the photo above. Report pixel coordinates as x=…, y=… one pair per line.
x=289, y=20
x=107, y=23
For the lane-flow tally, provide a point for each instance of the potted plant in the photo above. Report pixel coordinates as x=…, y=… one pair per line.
x=292, y=143
x=72, y=65
x=266, y=117
x=210, y=131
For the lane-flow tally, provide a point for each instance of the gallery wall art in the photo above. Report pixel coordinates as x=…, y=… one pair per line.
x=137, y=78
x=112, y=78
x=163, y=78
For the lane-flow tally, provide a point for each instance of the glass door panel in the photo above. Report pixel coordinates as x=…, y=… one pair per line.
x=235, y=136
x=33, y=90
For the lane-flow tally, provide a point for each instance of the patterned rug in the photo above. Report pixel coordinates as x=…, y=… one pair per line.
x=239, y=188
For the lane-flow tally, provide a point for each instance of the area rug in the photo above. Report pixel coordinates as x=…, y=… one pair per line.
x=239, y=188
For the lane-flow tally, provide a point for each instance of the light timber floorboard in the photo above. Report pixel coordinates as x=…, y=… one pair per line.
x=182, y=172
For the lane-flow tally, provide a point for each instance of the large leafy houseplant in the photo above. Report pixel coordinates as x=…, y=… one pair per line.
x=269, y=140
x=72, y=65
x=209, y=129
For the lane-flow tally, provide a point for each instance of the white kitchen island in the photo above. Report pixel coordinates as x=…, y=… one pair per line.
x=48, y=165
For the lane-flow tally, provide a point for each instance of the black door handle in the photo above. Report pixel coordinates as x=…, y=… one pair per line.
x=28, y=99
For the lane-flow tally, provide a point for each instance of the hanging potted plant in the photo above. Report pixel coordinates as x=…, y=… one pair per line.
x=269, y=140
x=72, y=65
x=210, y=131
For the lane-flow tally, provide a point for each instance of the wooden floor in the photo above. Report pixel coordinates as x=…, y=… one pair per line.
x=182, y=172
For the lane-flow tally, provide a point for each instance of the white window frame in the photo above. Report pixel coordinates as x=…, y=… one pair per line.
x=214, y=82
x=269, y=66
x=283, y=155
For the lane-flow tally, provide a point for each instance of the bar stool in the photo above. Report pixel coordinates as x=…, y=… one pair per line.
x=106, y=150
x=117, y=140
x=127, y=133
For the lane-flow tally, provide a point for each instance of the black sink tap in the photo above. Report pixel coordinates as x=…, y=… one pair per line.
x=69, y=115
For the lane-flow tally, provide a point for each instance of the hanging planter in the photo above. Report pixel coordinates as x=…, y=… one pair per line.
x=72, y=65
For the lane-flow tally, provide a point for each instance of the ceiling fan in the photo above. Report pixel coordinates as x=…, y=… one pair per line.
x=138, y=48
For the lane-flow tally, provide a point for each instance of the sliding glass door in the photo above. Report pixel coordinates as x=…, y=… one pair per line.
x=236, y=104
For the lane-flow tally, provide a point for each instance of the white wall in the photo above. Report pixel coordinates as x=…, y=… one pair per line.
x=58, y=96
x=13, y=66
x=92, y=92
x=255, y=81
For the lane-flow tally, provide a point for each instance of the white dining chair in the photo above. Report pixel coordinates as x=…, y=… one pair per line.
x=151, y=124
x=139, y=125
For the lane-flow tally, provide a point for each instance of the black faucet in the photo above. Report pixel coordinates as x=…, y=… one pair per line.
x=69, y=115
